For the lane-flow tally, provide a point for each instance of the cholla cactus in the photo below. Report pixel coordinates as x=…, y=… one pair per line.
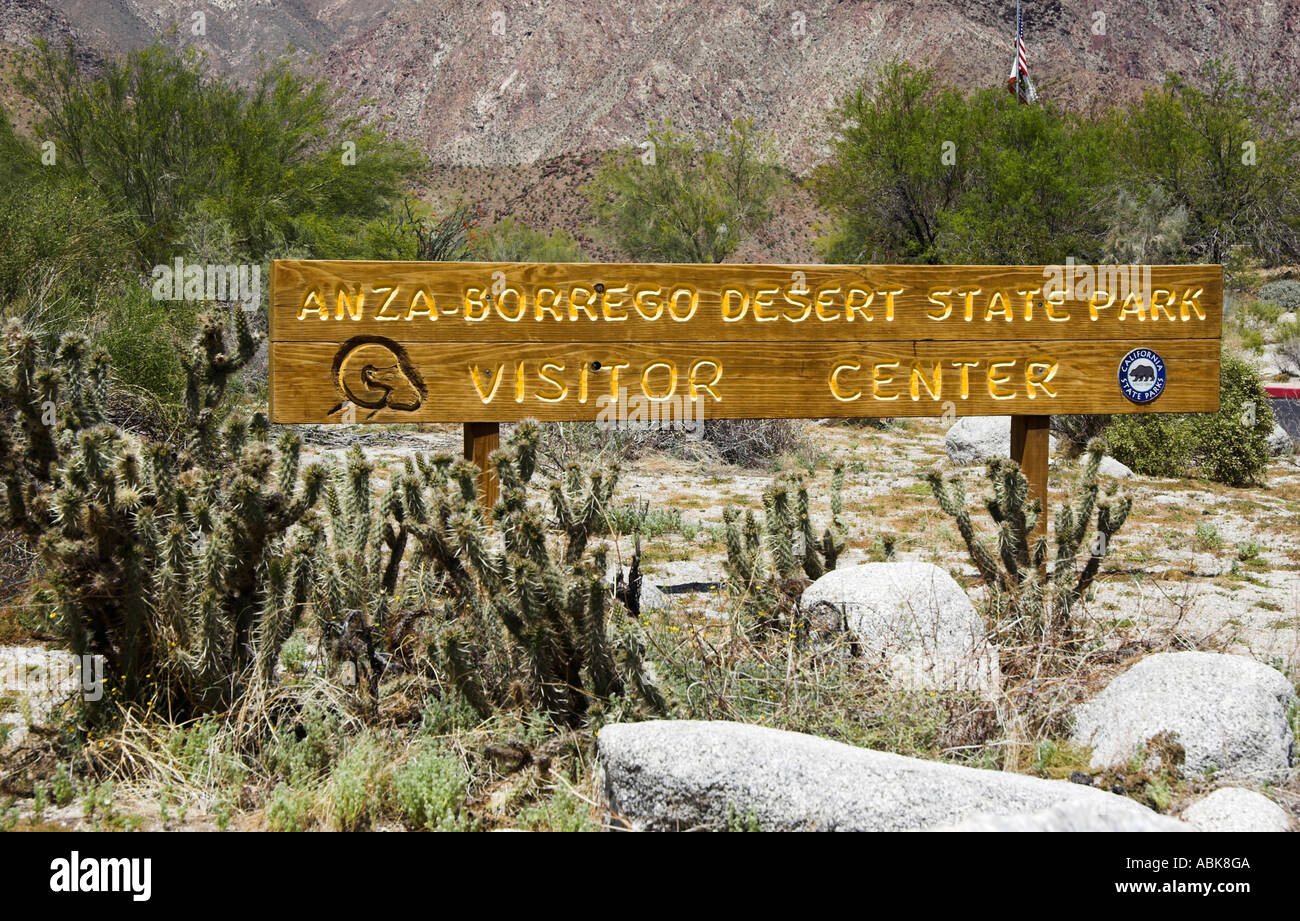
x=356, y=569
x=525, y=618
x=1025, y=606
x=797, y=554
x=176, y=567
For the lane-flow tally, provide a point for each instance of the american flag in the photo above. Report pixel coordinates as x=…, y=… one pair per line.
x=1019, y=84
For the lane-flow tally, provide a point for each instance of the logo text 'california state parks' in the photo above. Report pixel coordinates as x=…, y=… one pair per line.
x=1142, y=375
x=375, y=373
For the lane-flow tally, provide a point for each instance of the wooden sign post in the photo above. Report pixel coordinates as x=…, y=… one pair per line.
x=485, y=343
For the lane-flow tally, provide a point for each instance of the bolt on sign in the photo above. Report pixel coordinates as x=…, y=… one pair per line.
x=499, y=342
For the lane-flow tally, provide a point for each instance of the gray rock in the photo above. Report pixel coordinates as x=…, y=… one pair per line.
x=1077, y=815
x=672, y=775
x=1228, y=712
x=1235, y=809
x=652, y=597
x=975, y=439
x=1109, y=467
x=916, y=621
x=1279, y=442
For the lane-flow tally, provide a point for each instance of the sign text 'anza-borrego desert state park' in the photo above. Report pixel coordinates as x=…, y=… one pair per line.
x=499, y=342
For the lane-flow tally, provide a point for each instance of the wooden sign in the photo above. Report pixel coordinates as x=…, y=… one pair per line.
x=500, y=342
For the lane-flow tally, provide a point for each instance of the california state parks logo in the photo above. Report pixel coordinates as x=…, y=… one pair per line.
x=1142, y=375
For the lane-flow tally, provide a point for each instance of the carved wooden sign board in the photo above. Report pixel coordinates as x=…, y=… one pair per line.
x=498, y=342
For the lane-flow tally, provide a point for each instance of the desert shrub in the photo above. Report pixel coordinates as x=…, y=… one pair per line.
x=597, y=445
x=201, y=754
x=176, y=566
x=289, y=809
x=440, y=239
x=1250, y=551
x=644, y=519
x=16, y=559
x=1285, y=294
x=1288, y=346
x=1023, y=184
x=1230, y=446
x=1079, y=431
x=1148, y=182
x=510, y=241
x=1173, y=139
x=562, y=811
x=1156, y=445
x=144, y=339
x=355, y=790
x=429, y=790
x=753, y=442
x=62, y=242
x=743, y=442
x=1146, y=228
x=685, y=199
x=1261, y=312
x=1206, y=537
x=1252, y=340
x=1026, y=608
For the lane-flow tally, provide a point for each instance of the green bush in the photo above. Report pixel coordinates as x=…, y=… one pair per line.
x=1230, y=446
x=920, y=172
x=1253, y=340
x=1207, y=537
x=62, y=242
x=1262, y=312
x=510, y=241
x=686, y=199
x=564, y=811
x=145, y=340
x=354, y=785
x=1151, y=445
x=430, y=789
x=288, y=809
x=1285, y=294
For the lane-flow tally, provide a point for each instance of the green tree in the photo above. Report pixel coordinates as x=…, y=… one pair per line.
x=679, y=198
x=162, y=140
x=1036, y=189
x=1226, y=151
x=921, y=173
x=62, y=242
x=891, y=174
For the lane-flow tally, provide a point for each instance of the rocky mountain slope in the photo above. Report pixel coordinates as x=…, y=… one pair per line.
x=531, y=80
x=525, y=81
